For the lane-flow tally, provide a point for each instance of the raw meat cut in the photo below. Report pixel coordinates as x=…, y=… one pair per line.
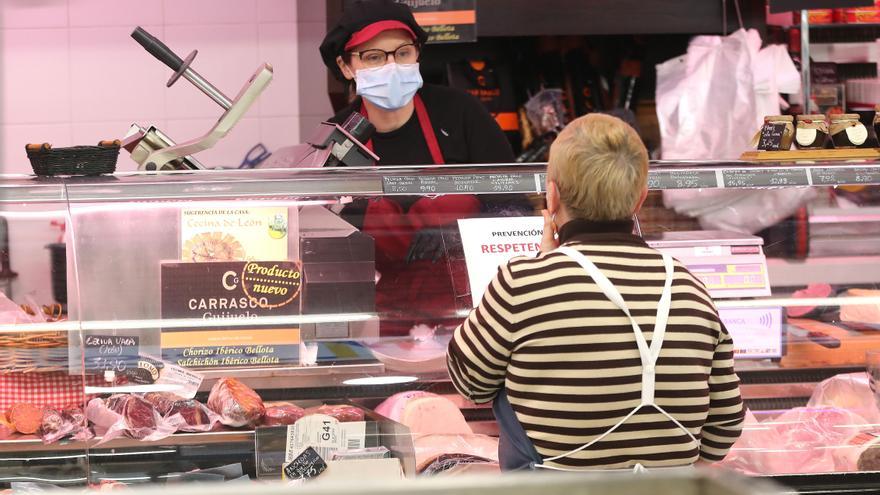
x=101, y=416
x=850, y=391
x=54, y=425
x=25, y=418
x=76, y=417
x=812, y=291
x=141, y=418
x=6, y=428
x=448, y=462
x=799, y=441
x=195, y=417
x=282, y=414
x=342, y=412
x=424, y=412
x=430, y=447
x=236, y=403
x=162, y=401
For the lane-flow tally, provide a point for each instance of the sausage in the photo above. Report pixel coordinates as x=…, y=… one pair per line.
x=25, y=418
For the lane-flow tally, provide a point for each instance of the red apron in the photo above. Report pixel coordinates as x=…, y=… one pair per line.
x=422, y=291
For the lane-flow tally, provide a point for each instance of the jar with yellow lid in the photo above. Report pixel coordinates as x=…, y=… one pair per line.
x=847, y=131
x=811, y=132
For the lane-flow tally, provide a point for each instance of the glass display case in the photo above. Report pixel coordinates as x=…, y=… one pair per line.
x=341, y=288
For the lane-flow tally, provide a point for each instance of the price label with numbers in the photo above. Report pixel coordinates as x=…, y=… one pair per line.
x=765, y=177
x=682, y=179
x=111, y=352
x=834, y=176
x=459, y=184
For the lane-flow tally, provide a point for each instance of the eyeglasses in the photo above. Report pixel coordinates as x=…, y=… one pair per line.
x=404, y=54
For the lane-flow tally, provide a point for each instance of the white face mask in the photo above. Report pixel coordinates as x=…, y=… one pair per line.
x=390, y=86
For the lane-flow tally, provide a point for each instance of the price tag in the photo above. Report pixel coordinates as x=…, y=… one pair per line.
x=682, y=179
x=325, y=434
x=771, y=137
x=307, y=464
x=111, y=352
x=764, y=177
x=458, y=184
x=187, y=382
x=837, y=176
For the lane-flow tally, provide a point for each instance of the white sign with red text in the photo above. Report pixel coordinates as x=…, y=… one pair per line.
x=489, y=242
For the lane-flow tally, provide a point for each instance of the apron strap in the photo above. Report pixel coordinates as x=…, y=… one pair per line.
x=647, y=354
x=424, y=123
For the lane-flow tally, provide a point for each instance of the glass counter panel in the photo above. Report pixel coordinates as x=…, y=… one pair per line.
x=384, y=280
x=43, y=431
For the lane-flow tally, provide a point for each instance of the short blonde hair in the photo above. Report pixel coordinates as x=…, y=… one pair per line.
x=600, y=166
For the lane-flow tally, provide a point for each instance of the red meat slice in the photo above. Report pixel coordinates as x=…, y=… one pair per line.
x=282, y=414
x=140, y=416
x=162, y=401
x=235, y=403
x=193, y=412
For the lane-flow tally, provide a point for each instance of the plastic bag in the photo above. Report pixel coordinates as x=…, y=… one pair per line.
x=743, y=211
x=235, y=403
x=430, y=447
x=799, y=441
x=57, y=424
x=850, y=391
x=138, y=419
x=709, y=104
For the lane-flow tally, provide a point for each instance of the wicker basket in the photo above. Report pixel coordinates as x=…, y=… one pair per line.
x=22, y=352
x=76, y=160
x=33, y=352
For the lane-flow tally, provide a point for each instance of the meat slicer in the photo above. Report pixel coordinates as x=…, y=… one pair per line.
x=152, y=149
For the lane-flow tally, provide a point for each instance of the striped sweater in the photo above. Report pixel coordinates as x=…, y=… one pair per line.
x=568, y=358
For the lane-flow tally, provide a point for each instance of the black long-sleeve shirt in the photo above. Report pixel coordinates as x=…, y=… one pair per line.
x=466, y=132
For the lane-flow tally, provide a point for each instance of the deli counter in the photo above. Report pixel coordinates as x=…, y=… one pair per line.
x=259, y=297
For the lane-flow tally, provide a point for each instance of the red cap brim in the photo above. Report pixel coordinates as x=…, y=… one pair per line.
x=370, y=31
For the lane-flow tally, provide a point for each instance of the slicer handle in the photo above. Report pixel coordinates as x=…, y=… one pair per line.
x=157, y=48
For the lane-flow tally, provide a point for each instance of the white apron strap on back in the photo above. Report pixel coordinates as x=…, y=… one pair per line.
x=647, y=354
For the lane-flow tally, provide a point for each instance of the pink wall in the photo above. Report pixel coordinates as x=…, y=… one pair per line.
x=71, y=74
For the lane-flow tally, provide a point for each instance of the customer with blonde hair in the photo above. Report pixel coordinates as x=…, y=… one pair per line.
x=601, y=352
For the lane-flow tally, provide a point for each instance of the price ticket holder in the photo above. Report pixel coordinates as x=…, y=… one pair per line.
x=280, y=447
x=731, y=266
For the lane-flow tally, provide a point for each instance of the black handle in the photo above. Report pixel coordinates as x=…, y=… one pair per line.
x=157, y=48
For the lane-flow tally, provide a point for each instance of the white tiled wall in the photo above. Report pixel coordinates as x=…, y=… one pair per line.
x=71, y=74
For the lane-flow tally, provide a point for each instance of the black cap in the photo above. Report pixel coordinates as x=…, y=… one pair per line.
x=359, y=15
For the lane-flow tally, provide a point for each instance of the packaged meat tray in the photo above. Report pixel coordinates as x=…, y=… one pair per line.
x=235, y=403
x=343, y=413
x=281, y=413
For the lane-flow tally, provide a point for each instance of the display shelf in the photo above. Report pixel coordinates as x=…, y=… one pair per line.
x=32, y=444
x=844, y=33
x=295, y=377
x=329, y=184
x=24, y=189
x=838, y=270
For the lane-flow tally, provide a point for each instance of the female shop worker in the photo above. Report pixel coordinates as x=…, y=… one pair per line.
x=376, y=46
x=601, y=353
